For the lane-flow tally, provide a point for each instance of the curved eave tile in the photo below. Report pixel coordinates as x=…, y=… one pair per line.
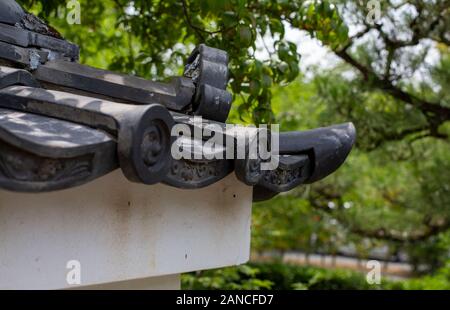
x=40, y=154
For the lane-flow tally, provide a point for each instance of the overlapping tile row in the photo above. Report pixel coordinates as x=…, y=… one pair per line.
x=63, y=124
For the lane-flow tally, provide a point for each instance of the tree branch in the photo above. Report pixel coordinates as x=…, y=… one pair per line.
x=428, y=230
x=433, y=111
x=197, y=30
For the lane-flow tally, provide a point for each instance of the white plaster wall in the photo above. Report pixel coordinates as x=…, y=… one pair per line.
x=121, y=231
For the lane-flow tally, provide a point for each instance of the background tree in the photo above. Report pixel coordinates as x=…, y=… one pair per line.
x=391, y=80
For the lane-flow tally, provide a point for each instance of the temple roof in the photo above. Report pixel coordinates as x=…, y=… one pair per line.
x=63, y=124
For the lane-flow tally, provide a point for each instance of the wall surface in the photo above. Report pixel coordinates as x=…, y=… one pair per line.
x=120, y=231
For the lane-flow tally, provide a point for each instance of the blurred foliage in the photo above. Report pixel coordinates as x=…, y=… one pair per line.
x=152, y=38
x=282, y=276
x=391, y=79
x=439, y=281
x=384, y=197
x=243, y=277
